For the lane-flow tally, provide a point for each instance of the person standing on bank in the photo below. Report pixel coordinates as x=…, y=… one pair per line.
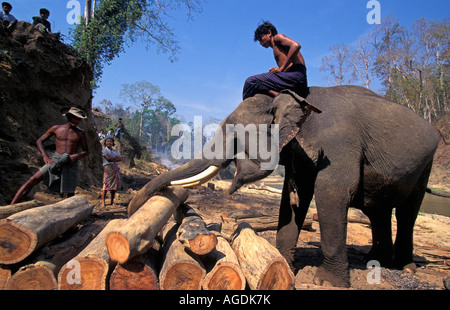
x=111, y=177
x=291, y=70
x=60, y=172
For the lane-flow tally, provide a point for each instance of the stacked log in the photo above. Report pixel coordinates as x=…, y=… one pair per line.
x=192, y=232
x=9, y=210
x=138, y=232
x=24, y=232
x=139, y=273
x=42, y=272
x=90, y=269
x=262, y=264
x=222, y=265
x=180, y=270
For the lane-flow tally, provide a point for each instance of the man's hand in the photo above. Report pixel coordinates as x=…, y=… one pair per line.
x=275, y=69
x=48, y=160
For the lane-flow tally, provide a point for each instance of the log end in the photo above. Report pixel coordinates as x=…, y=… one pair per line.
x=183, y=276
x=118, y=247
x=16, y=242
x=133, y=275
x=278, y=276
x=32, y=278
x=203, y=243
x=87, y=273
x=224, y=278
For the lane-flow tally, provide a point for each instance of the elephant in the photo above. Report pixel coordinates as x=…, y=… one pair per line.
x=344, y=145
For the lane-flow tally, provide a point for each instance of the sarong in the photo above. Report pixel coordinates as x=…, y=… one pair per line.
x=62, y=176
x=294, y=79
x=111, y=178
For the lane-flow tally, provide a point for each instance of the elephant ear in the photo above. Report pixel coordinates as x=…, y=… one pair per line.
x=291, y=111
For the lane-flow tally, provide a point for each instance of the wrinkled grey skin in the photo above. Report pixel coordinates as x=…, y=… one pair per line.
x=362, y=151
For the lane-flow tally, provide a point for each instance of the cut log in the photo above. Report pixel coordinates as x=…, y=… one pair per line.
x=5, y=275
x=139, y=273
x=180, y=270
x=42, y=272
x=260, y=222
x=136, y=235
x=353, y=216
x=192, y=232
x=9, y=210
x=222, y=265
x=24, y=232
x=262, y=264
x=90, y=269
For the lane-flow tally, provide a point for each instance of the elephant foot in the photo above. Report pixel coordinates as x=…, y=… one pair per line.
x=325, y=277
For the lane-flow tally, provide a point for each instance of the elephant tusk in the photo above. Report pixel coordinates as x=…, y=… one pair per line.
x=198, y=179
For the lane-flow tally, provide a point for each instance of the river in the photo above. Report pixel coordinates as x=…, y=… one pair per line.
x=431, y=204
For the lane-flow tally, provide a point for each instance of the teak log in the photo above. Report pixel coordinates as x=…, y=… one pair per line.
x=89, y=270
x=192, y=232
x=222, y=265
x=139, y=273
x=42, y=272
x=180, y=270
x=24, y=232
x=136, y=235
x=9, y=210
x=5, y=275
x=262, y=264
x=353, y=216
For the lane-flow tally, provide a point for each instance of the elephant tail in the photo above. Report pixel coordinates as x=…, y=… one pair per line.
x=436, y=193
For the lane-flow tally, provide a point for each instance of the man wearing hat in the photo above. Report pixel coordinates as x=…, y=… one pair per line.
x=60, y=172
x=7, y=21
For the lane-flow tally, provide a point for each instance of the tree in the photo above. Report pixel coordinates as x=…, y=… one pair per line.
x=119, y=22
x=338, y=65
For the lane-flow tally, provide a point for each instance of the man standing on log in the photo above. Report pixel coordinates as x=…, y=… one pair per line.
x=60, y=172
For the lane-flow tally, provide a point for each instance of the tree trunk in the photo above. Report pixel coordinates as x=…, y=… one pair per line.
x=89, y=270
x=192, y=232
x=136, y=235
x=42, y=273
x=180, y=270
x=139, y=273
x=9, y=210
x=224, y=272
x=262, y=264
x=24, y=232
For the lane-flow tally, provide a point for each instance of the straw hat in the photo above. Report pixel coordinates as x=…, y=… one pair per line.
x=76, y=112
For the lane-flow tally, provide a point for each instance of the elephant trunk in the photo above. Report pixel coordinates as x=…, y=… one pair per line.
x=193, y=173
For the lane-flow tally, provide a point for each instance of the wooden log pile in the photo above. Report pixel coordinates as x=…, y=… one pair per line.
x=166, y=244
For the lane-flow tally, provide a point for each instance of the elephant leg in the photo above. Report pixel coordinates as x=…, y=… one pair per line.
x=381, y=222
x=333, y=196
x=406, y=215
x=291, y=219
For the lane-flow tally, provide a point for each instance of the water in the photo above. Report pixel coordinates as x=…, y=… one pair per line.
x=431, y=204
x=435, y=205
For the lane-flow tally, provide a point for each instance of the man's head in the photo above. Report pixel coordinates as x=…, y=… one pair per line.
x=75, y=115
x=44, y=13
x=265, y=28
x=6, y=7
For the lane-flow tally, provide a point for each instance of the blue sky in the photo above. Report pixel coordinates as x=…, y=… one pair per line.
x=217, y=48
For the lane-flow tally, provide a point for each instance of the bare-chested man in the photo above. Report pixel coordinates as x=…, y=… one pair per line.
x=291, y=70
x=60, y=172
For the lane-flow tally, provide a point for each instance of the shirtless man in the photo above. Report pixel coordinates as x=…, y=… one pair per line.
x=60, y=172
x=291, y=70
